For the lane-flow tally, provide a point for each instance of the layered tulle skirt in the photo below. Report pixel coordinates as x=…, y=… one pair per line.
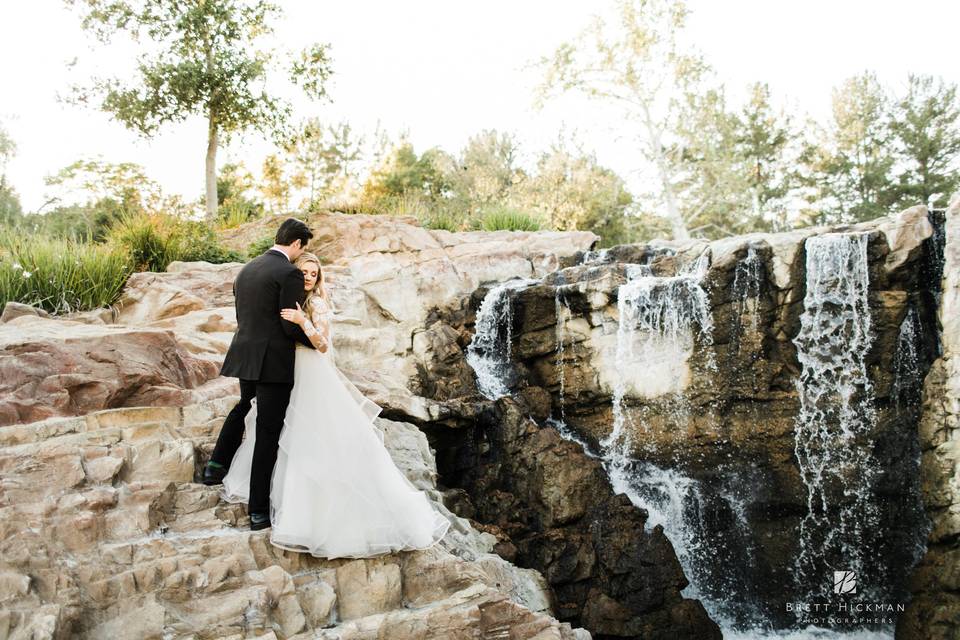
x=335, y=490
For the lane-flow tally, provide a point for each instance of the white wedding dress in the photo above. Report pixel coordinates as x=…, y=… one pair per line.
x=335, y=490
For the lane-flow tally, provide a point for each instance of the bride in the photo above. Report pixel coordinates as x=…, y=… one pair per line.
x=335, y=491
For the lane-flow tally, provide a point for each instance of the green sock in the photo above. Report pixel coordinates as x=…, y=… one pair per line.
x=211, y=463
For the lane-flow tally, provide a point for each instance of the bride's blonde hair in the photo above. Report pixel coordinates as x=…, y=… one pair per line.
x=319, y=287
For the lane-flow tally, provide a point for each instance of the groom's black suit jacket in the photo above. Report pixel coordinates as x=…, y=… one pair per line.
x=263, y=347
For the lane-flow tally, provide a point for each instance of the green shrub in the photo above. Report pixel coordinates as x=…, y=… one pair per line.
x=441, y=219
x=150, y=240
x=259, y=246
x=153, y=241
x=499, y=217
x=236, y=211
x=60, y=276
x=197, y=241
x=404, y=204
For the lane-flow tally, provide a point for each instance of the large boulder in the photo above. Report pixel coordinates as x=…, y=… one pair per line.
x=60, y=368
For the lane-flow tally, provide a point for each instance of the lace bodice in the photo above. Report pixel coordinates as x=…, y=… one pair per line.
x=317, y=326
x=320, y=311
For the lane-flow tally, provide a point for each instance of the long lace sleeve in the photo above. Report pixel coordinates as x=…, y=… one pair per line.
x=317, y=326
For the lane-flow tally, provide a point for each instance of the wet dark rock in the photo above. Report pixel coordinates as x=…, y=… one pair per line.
x=608, y=570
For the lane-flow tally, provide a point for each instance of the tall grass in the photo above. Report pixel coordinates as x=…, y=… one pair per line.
x=153, y=241
x=441, y=220
x=499, y=218
x=60, y=276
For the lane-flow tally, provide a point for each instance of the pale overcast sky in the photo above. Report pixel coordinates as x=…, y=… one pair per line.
x=445, y=70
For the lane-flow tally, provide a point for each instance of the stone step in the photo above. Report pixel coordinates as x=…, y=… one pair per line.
x=104, y=533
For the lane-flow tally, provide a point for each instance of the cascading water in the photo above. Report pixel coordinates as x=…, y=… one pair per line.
x=747, y=281
x=906, y=362
x=707, y=518
x=562, y=314
x=833, y=428
x=656, y=316
x=654, y=312
x=716, y=564
x=905, y=395
x=489, y=350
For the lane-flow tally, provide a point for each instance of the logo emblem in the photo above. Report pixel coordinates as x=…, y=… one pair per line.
x=844, y=582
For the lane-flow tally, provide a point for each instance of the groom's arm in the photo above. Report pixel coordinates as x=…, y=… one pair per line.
x=291, y=291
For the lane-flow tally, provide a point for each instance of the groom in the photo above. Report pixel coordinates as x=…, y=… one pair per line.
x=262, y=356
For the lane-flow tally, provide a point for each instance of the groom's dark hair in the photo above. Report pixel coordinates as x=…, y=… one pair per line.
x=292, y=229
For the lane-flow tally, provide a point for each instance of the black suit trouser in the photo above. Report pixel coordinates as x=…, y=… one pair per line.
x=272, y=400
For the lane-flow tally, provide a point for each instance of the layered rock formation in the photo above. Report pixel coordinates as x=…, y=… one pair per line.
x=637, y=467
x=554, y=510
x=105, y=534
x=757, y=395
x=934, y=613
x=109, y=416
x=52, y=367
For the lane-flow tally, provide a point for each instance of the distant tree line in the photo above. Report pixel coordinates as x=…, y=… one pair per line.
x=708, y=167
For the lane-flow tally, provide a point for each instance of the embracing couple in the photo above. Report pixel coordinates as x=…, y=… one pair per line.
x=300, y=447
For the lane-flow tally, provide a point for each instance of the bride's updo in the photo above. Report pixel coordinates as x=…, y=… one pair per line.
x=319, y=291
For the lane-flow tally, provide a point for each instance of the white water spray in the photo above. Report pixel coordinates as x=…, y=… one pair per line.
x=837, y=412
x=489, y=350
x=653, y=313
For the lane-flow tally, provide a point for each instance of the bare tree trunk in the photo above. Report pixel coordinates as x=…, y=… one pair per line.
x=212, y=139
x=677, y=224
x=211, y=170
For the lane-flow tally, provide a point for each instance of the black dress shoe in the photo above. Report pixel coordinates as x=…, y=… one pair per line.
x=213, y=475
x=259, y=521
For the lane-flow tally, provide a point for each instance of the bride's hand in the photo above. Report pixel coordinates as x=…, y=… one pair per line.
x=293, y=315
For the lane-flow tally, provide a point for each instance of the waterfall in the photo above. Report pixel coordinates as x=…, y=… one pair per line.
x=747, y=280
x=706, y=518
x=906, y=362
x=562, y=314
x=654, y=313
x=717, y=565
x=489, y=350
x=905, y=396
x=837, y=413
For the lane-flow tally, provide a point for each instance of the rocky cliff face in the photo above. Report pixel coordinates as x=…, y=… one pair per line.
x=109, y=416
x=935, y=610
x=619, y=437
x=758, y=396
x=105, y=534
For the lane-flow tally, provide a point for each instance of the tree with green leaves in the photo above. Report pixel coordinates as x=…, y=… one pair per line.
x=275, y=185
x=637, y=63
x=485, y=171
x=90, y=195
x=926, y=131
x=403, y=172
x=10, y=209
x=198, y=58
x=324, y=158
x=851, y=166
x=234, y=185
x=768, y=147
x=571, y=190
x=711, y=180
